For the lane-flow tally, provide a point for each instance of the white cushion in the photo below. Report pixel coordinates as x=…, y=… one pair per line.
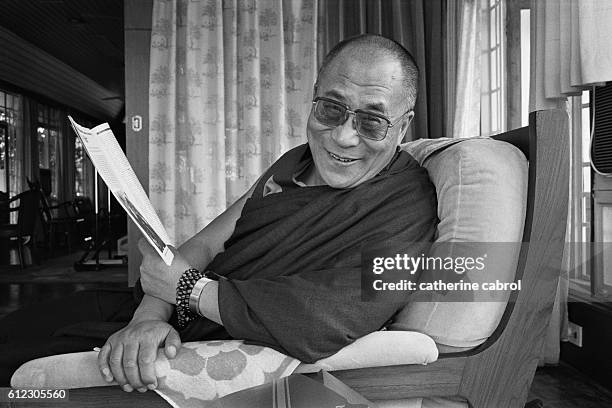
x=481, y=186
x=381, y=348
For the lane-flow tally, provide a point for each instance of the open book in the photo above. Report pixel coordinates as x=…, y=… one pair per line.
x=114, y=168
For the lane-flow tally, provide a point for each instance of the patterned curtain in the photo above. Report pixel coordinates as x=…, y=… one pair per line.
x=229, y=89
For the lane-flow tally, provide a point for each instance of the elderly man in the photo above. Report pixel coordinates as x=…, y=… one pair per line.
x=282, y=266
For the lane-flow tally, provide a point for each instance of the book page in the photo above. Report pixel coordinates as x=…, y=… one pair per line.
x=116, y=171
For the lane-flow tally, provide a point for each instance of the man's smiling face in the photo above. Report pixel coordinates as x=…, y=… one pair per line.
x=342, y=158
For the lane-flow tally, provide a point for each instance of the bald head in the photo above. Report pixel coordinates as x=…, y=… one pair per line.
x=370, y=49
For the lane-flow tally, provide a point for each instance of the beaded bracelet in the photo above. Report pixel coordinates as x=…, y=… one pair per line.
x=183, y=290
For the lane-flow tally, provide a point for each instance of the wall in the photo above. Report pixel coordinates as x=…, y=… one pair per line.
x=594, y=358
x=137, y=20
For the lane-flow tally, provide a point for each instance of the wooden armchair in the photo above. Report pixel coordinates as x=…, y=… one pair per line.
x=499, y=372
x=58, y=220
x=21, y=234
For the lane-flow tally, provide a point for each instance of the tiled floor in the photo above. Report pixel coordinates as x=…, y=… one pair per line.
x=558, y=387
x=52, y=279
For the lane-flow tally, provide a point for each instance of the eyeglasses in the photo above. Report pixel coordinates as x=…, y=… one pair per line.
x=368, y=124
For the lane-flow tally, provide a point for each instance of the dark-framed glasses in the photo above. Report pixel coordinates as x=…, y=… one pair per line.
x=369, y=125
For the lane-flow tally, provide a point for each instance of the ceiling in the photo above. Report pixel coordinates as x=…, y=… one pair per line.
x=85, y=34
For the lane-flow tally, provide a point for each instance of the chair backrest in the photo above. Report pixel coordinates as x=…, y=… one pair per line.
x=27, y=212
x=499, y=372
x=83, y=206
x=45, y=210
x=481, y=187
x=4, y=208
x=506, y=362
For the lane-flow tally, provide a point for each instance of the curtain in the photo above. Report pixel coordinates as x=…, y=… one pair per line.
x=476, y=60
x=230, y=89
x=66, y=163
x=463, y=55
x=62, y=163
x=570, y=51
x=17, y=181
x=417, y=25
x=86, y=172
x=88, y=177
x=30, y=140
x=58, y=169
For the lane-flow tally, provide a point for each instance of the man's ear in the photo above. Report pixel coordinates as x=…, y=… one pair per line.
x=405, y=124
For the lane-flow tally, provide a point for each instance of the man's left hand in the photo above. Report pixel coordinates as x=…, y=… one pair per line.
x=157, y=278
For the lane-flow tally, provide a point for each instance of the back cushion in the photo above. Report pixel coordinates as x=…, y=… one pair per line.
x=481, y=186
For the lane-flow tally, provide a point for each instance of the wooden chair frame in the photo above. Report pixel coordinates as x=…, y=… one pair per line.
x=499, y=372
x=22, y=233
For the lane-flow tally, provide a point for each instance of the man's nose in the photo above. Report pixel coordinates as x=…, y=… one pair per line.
x=345, y=135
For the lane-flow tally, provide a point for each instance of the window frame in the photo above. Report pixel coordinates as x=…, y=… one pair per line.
x=580, y=221
x=9, y=122
x=493, y=99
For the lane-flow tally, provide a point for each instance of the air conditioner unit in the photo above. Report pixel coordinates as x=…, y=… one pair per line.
x=601, y=162
x=601, y=144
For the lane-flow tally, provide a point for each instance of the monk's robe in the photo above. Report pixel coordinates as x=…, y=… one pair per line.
x=291, y=271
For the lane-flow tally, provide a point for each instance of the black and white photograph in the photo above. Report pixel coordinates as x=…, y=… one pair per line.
x=354, y=203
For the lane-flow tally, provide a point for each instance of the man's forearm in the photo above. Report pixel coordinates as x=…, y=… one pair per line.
x=208, y=303
x=198, y=251
x=152, y=308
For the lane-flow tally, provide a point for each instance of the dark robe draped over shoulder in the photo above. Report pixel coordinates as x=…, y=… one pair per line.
x=291, y=271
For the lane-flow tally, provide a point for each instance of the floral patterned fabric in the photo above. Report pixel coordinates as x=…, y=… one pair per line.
x=229, y=91
x=204, y=371
x=200, y=373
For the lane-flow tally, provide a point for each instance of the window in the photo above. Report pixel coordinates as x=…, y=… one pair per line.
x=580, y=221
x=10, y=120
x=47, y=139
x=4, y=158
x=601, y=193
x=58, y=162
x=81, y=161
x=584, y=182
x=84, y=172
x=49, y=150
x=581, y=201
x=493, y=98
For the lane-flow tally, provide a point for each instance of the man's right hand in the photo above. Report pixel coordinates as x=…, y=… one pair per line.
x=129, y=355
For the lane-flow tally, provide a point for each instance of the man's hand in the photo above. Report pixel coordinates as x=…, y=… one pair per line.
x=129, y=355
x=157, y=278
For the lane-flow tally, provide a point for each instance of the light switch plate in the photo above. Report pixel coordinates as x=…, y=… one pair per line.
x=575, y=334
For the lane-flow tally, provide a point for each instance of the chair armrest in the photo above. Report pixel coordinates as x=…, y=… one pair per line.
x=441, y=378
x=62, y=206
x=381, y=348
